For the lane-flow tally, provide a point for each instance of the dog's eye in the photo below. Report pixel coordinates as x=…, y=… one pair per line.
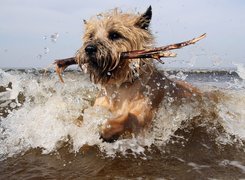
x=114, y=36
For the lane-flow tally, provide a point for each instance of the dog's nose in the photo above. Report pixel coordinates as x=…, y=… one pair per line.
x=90, y=49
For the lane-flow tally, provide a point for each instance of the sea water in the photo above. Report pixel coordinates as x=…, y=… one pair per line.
x=51, y=130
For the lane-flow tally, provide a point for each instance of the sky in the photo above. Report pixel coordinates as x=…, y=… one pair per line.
x=33, y=33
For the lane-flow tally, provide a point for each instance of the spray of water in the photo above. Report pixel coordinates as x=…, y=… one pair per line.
x=51, y=112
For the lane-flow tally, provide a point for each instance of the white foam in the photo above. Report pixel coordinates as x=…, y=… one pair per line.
x=5, y=79
x=169, y=119
x=49, y=113
x=46, y=117
x=197, y=167
x=240, y=70
x=232, y=112
x=236, y=164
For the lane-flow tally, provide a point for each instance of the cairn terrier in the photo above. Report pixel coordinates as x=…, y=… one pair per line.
x=133, y=88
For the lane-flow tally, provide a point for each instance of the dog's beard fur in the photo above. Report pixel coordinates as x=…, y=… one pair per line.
x=102, y=64
x=111, y=34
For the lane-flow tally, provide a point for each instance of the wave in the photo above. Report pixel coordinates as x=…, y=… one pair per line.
x=37, y=111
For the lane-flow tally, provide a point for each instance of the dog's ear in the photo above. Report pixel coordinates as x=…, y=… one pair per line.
x=144, y=20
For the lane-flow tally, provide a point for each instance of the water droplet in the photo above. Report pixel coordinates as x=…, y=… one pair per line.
x=108, y=126
x=180, y=75
x=45, y=37
x=170, y=99
x=54, y=37
x=39, y=56
x=136, y=74
x=109, y=73
x=46, y=50
x=13, y=105
x=113, y=95
x=191, y=62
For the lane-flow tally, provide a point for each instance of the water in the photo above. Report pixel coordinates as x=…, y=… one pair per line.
x=50, y=130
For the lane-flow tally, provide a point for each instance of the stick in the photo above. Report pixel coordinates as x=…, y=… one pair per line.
x=144, y=54
x=62, y=64
x=155, y=53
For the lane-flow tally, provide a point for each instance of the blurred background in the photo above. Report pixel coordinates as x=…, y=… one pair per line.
x=33, y=33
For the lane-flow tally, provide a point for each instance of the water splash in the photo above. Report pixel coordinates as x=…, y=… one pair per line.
x=54, y=37
x=240, y=70
x=51, y=115
x=216, y=60
x=232, y=113
x=236, y=164
x=46, y=50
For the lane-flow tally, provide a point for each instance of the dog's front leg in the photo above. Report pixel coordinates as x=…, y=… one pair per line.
x=132, y=117
x=111, y=129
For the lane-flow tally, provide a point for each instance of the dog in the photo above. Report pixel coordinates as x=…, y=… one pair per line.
x=134, y=88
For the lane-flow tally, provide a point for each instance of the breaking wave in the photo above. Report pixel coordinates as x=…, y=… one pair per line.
x=37, y=111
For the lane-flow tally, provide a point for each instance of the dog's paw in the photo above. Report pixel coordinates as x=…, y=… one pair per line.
x=109, y=139
x=111, y=130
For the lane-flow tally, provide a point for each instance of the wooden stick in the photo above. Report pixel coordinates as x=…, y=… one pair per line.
x=62, y=64
x=155, y=53
x=141, y=54
x=147, y=53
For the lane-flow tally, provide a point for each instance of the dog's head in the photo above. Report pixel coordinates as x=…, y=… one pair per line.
x=108, y=35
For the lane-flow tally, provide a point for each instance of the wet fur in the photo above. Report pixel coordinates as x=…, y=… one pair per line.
x=133, y=89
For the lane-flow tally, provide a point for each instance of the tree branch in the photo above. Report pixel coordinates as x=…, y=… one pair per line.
x=62, y=64
x=155, y=53
x=159, y=52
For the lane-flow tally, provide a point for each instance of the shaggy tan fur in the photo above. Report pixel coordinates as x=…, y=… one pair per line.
x=132, y=37
x=133, y=88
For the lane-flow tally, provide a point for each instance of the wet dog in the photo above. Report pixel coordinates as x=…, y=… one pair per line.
x=133, y=89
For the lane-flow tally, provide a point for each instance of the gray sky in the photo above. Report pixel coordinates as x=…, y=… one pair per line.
x=26, y=27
